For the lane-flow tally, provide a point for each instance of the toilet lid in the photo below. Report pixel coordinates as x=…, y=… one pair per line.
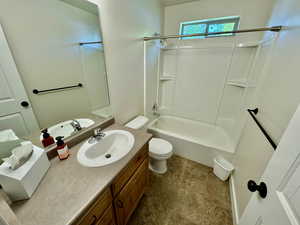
x=160, y=147
x=138, y=122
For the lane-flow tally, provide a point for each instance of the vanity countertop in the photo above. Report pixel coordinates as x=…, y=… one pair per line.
x=69, y=188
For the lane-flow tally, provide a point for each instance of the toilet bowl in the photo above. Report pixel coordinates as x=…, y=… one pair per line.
x=159, y=150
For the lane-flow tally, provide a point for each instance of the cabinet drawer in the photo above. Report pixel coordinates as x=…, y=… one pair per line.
x=108, y=217
x=129, y=170
x=97, y=209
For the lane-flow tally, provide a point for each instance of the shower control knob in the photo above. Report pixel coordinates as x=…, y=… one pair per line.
x=261, y=188
x=24, y=104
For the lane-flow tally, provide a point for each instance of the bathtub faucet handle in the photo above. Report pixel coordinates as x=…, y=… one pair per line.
x=155, y=109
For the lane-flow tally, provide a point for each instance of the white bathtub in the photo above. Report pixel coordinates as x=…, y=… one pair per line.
x=193, y=140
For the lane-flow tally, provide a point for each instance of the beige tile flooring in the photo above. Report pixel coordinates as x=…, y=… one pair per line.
x=188, y=194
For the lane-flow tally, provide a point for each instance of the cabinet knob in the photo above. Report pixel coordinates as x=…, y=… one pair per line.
x=138, y=158
x=120, y=203
x=261, y=188
x=94, y=220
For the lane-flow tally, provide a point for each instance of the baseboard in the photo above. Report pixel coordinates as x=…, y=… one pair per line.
x=234, y=206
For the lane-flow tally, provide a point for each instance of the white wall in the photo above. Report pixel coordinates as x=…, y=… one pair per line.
x=253, y=13
x=200, y=73
x=43, y=36
x=124, y=24
x=252, y=156
x=277, y=96
x=202, y=89
x=94, y=73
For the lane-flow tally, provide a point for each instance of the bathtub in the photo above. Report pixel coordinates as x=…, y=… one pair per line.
x=197, y=141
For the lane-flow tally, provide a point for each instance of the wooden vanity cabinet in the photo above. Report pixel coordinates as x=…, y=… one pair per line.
x=117, y=203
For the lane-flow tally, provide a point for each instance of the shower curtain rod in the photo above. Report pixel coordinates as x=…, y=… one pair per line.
x=273, y=29
x=91, y=43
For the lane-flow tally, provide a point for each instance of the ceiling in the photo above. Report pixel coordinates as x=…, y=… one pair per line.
x=175, y=2
x=84, y=5
x=92, y=8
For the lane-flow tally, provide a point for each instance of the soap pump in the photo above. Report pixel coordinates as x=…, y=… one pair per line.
x=62, y=148
x=47, y=139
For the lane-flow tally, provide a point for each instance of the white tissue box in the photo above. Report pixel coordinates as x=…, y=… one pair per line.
x=20, y=184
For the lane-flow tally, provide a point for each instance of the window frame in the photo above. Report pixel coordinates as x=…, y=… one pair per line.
x=207, y=22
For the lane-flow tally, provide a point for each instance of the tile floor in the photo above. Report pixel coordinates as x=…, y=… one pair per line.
x=188, y=194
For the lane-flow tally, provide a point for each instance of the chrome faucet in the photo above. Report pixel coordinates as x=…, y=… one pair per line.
x=98, y=135
x=76, y=125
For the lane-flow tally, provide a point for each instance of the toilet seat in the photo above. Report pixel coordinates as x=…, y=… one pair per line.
x=159, y=148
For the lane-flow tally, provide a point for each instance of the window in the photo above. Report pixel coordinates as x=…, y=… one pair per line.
x=209, y=26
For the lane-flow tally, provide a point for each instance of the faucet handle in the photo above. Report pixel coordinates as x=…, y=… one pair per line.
x=97, y=131
x=154, y=107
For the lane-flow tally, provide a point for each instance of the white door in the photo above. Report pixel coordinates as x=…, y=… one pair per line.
x=282, y=177
x=15, y=109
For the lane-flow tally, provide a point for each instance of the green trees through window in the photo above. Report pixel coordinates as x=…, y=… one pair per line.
x=209, y=26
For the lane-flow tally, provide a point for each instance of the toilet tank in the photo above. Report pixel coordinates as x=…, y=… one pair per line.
x=137, y=123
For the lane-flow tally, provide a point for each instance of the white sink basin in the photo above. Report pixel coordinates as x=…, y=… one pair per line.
x=114, y=146
x=65, y=129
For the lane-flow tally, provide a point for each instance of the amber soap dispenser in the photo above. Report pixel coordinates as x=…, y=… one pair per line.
x=47, y=139
x=62, y=148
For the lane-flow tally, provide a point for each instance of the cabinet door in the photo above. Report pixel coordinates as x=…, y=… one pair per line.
x=129, y=197
x=107, y=218
x=123, y=177
x=97, y=209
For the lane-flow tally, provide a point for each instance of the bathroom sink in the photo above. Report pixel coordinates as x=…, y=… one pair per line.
x=112, y=147
x=65, y=128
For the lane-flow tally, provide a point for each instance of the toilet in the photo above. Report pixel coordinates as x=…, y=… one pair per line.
x=159, y=149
